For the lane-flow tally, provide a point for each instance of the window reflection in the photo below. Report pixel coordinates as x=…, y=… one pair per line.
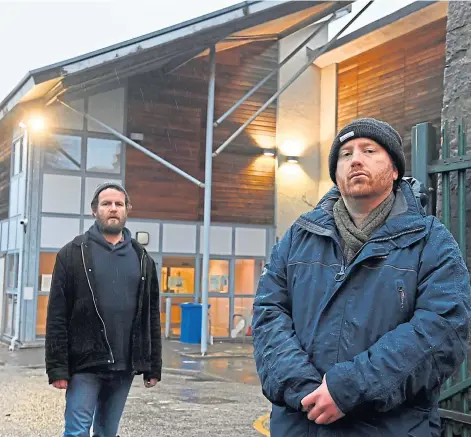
x=103, y=155
x=247, y=274
x=218, y=276
x=64, y=152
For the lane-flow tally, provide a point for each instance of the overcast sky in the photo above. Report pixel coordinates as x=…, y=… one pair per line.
x=35, y=33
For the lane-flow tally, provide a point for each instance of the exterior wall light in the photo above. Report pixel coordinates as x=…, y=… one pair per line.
x=142, y=238
x=292, y=159
x=269, y=152
x=34, y=124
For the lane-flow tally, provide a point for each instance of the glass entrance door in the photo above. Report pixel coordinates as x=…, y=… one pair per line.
x=232, y=287
x=177, y=281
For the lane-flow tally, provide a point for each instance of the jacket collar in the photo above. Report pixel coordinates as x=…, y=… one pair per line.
x=84, y=238
x=406, y=217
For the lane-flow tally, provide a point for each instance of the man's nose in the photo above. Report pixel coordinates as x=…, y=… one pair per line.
x=357, y=159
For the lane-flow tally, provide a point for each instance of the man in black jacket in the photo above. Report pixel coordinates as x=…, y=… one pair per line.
x=103, y=321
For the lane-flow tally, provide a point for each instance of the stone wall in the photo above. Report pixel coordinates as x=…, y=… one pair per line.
x=457, y=99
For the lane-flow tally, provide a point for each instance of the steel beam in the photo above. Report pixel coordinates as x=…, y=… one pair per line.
x=318, y=29
x=315, y=54
x=135, y=145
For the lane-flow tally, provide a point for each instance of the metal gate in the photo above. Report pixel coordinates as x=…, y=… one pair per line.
x=446, y=175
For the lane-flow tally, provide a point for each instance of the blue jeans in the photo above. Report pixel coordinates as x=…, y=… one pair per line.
x=98, y=399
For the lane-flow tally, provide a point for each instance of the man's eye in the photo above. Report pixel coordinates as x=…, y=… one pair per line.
x=346, y=154
x=369, y=150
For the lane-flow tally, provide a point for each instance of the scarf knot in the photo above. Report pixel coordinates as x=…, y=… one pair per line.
x=354, y=237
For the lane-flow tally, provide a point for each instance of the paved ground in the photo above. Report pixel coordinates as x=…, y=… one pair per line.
x=197, y=397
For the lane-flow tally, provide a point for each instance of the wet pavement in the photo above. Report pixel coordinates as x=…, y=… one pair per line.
x=198, y=396
x=226, y=361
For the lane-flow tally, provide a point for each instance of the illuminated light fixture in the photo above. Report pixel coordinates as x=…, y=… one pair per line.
x=292, y=159
x=142, y=238
x=36, y=124
x=269, y=152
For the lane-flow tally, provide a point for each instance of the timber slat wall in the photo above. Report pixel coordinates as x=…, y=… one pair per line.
x=400, y=82
x=170, y=110
x=5, y=169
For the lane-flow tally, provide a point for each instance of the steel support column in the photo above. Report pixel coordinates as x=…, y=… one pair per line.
x=207, y=198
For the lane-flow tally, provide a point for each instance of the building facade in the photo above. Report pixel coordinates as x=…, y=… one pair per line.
x=155, y=91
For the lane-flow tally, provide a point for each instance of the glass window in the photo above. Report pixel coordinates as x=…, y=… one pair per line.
x=17, y=152
x=218, y=276
x=219, y=316
x=247, y=274
x=103, y=155
x=178, y=275
x=243, y=307
x=64, y=152
x=9, y=315
x=12, y=271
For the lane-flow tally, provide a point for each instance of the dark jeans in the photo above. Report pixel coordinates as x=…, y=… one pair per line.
x=98, y=399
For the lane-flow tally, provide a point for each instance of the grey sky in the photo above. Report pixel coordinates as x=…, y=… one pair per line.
x=36, y=33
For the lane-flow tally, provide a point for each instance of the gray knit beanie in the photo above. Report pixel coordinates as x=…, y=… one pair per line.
x=115, y=185
x=381, y=132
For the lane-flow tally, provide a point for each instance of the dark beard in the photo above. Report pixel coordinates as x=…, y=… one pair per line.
x=109, y=229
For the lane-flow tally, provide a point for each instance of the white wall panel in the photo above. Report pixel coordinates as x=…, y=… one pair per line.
x=153, y=230
x=58, y=231
x=179, y=238
x=4, y=242
x=220, y=240
x=91, y=185
x=250, y=242
x=61, y=194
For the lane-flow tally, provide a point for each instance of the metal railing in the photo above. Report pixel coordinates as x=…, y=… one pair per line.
x=438, y=176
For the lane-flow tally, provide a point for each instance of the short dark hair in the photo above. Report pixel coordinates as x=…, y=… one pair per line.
x=114, y=186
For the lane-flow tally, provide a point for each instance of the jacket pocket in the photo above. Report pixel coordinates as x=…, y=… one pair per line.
x=402, y=295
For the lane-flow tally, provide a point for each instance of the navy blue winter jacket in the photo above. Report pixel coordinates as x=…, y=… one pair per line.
x=386, y=330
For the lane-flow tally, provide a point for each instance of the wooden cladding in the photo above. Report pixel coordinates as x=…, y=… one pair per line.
x=400, y=82
x=170, y=110
x=5, y=169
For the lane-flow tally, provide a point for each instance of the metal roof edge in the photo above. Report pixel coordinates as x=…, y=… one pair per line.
x=104, y=50
x=410, y=9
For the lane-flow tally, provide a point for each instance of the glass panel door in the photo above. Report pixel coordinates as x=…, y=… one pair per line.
x=177, y=281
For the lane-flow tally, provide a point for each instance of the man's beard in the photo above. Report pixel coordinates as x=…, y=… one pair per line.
x=114, y=229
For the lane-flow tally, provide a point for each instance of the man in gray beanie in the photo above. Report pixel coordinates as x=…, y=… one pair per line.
x=363, y=310
x=103, y=322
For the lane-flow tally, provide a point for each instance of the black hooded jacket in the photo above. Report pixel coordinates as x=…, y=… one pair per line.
x=76, y=335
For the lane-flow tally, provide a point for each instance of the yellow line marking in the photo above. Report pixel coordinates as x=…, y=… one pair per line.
x=261, y=425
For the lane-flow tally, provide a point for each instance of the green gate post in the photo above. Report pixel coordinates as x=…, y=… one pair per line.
x=424, y=151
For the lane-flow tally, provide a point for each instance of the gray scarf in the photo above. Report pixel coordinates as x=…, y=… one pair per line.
x=354, y=237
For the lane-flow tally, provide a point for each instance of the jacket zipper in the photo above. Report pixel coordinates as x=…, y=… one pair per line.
x=96, y=307
x=403, y=297
x=140, y=306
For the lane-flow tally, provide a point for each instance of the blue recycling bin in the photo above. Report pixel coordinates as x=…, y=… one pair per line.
x=190, y=328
